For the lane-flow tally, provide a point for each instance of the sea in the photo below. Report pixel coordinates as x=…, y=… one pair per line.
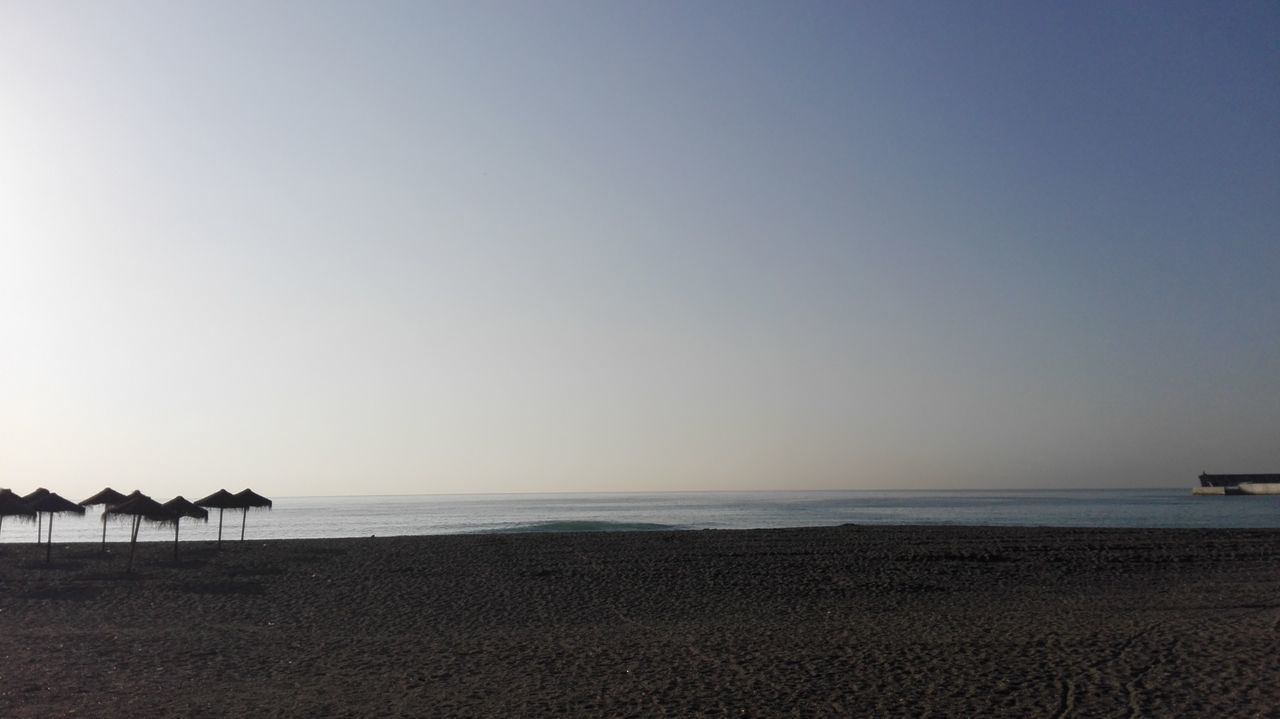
x=310, y=517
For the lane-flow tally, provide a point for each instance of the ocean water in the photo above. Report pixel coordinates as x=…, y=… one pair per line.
x=300, y=517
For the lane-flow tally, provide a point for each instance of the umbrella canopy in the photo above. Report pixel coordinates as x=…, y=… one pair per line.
x=106, y=497
x=11, y=505
x=50, y=503
x=139, y=508
x=249, y=499
x=140, y=505
x=35, y=495
x=53, y=503
x=219, y=500
x=180, y=507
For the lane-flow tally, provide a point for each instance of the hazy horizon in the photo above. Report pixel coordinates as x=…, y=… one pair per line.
x=627, y=492
x=455, y=248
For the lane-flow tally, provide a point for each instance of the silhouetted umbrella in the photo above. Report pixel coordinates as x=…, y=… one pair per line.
x=180, y=508
x=11, y=505
x=219, y=500
x=29, y=498
x=139, y=507
x=106, y=498
x=51, y=504
x=246, y=500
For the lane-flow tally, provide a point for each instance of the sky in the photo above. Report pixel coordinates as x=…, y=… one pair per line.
x=396, y=248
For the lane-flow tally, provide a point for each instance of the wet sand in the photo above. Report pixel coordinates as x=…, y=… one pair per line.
x=848, y=621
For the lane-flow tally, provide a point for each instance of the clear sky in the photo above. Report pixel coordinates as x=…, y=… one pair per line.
x=379, y=248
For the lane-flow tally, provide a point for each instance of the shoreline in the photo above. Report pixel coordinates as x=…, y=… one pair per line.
x=156, y=535
x=885, y=620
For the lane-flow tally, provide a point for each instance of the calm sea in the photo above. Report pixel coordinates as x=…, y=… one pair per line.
x=298, y=517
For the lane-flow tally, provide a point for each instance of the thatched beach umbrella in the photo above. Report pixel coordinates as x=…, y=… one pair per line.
x=29, y=498
x=106, y=498
x=179, y=508
x=51, y=504
x=11, y=505
x=138, y=508
x=219, y=500
x=246, y=500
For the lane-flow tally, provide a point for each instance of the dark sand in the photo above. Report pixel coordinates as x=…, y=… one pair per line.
x=893, y=621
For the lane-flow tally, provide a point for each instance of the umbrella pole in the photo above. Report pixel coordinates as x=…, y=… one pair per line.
x=39, y=525
x=48, y=545
x=244, y=517
x=104, y=530
x=176, y=522
x=220, y=528
x=133, y=541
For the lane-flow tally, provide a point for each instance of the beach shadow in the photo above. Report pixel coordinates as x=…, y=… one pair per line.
x=93, y=554
x=199, y=552
x=57, y=565
x=241, y=588
x=184, y=563
x=311, y=558
x=318, y=553
x=107, y=556
x=416, y=571
x=121, y=575
x=958, y=556
x=75, y=594
x=254, y=571
x=913, y=589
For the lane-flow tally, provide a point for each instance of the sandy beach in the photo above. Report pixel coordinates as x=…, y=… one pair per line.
x=847, y=621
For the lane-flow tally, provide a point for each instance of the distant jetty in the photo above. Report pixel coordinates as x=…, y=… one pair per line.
x=1220, y=484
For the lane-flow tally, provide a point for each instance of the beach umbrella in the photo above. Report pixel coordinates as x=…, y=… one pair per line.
x=139, y=508
x=219, y=500
x=11, y=505
x=180, y=508
x=29, y=498
x=50, y=503
x=106, y=498
x=246, y=500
